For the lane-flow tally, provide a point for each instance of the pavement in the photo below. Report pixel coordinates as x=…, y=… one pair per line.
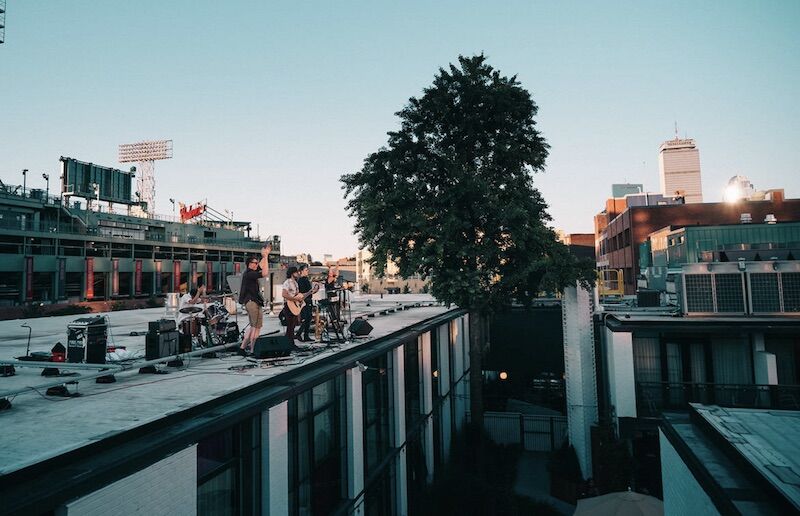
x=533, y=481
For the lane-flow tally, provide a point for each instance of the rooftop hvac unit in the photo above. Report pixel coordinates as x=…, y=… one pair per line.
x=759, y=288
x=713, y=293
x=745, y=218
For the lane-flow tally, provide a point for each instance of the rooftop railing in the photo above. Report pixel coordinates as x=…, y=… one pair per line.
x=653, y=398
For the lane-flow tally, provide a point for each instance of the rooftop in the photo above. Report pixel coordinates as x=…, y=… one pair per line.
x=749, y=456
x=39, y=427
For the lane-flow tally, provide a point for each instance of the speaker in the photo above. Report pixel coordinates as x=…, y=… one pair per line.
x=160, y=345
x=161, y=325
x=360, y=328
x=273, y=346
x=184, y=343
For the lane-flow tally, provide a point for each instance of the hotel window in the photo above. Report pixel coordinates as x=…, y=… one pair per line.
x=413, y=383
x=317, y=449
x=376, y=391
x=229, y=470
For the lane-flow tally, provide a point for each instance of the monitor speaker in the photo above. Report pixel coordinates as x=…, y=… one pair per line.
x=360, y=328
x=160, y=345
x=273, y=347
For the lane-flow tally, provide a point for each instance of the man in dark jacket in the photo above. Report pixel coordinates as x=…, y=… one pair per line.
x=304, y=285
x=250, y=297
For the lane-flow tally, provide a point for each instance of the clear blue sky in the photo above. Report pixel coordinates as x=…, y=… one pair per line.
x=268, y=103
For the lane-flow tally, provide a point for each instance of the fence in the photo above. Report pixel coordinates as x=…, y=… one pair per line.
x=654, y=397
x=533, y=433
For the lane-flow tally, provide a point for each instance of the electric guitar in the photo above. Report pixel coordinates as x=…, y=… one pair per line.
x=296, y=306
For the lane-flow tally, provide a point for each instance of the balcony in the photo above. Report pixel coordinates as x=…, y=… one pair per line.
x=652, y=398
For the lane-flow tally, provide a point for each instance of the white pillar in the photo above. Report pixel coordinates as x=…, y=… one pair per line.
x=579, y=367
x=622, y=384
x=764, y=363
x=275, y=463
x=399, y=396
x=465, y=333
x=355, y=438
x=427, y=401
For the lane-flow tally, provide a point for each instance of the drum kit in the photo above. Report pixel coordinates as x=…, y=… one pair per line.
x=215, y=319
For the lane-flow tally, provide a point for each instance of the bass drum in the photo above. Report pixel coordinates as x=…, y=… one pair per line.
x=191, y=326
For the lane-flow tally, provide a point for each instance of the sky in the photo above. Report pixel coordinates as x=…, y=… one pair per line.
x=269, y=103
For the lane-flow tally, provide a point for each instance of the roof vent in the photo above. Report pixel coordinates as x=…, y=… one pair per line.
x=745, y=218
x=770, y=219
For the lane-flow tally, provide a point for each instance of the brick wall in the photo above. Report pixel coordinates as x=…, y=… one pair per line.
x=682, y=494
x=166, y=487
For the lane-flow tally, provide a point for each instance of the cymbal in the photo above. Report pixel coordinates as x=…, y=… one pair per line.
x=191, y=310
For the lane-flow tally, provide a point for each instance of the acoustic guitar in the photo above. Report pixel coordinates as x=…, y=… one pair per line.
x=296, y=306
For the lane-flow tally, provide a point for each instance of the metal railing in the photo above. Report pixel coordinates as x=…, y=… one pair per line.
x=52, y=229
x=652, y=398
x=532, y=432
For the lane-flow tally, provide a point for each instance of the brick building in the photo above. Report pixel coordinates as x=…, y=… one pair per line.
x=621, y=227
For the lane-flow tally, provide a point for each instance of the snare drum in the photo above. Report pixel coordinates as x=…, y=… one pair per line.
x=191, y=326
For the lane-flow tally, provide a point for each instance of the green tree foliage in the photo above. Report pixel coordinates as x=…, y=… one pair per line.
x=451, y=196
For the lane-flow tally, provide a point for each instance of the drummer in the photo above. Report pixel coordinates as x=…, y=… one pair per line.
x=194, y=297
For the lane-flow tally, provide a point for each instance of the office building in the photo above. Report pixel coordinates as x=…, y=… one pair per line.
x=679, y=170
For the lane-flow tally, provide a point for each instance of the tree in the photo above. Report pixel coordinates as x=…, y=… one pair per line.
x=451, y=198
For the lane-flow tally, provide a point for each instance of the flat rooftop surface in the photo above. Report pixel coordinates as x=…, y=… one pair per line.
x=769, y=440
x=38, y=427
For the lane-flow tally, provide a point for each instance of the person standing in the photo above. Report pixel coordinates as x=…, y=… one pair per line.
x=304, y=286
x=250, y=297
x=290, y=292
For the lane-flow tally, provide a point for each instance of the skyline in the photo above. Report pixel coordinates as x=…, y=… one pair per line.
x=269, y=105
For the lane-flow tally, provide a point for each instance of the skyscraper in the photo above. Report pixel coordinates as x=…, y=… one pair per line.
x=679, y=167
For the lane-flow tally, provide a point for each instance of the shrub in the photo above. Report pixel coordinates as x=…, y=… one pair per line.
x=71, y=310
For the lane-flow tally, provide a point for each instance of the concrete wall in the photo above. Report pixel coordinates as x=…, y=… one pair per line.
x=622, y=384
x=682, y=493
x=579, y=367
x=166, y=487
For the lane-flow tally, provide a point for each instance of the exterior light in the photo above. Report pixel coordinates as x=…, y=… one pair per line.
x=503, y=375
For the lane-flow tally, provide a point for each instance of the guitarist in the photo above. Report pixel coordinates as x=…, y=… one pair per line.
x=304, y=285
x=291, y=292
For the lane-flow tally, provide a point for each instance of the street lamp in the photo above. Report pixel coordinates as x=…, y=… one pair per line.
x=47, y=178
x=173, y=206
x=24, y=179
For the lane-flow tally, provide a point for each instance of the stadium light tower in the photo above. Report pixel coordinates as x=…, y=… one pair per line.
x=145, y=154
x=2, y=21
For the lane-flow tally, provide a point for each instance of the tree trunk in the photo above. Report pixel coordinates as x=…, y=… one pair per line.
x=476, y=340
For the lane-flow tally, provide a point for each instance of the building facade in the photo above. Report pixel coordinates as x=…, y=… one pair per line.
x=679, y=170
x=623, y=189
x=360, y=431
x=51, y=252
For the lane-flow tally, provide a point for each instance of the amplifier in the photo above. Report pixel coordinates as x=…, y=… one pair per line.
x=86, y=340
x=160, y=345
x=161, y=325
